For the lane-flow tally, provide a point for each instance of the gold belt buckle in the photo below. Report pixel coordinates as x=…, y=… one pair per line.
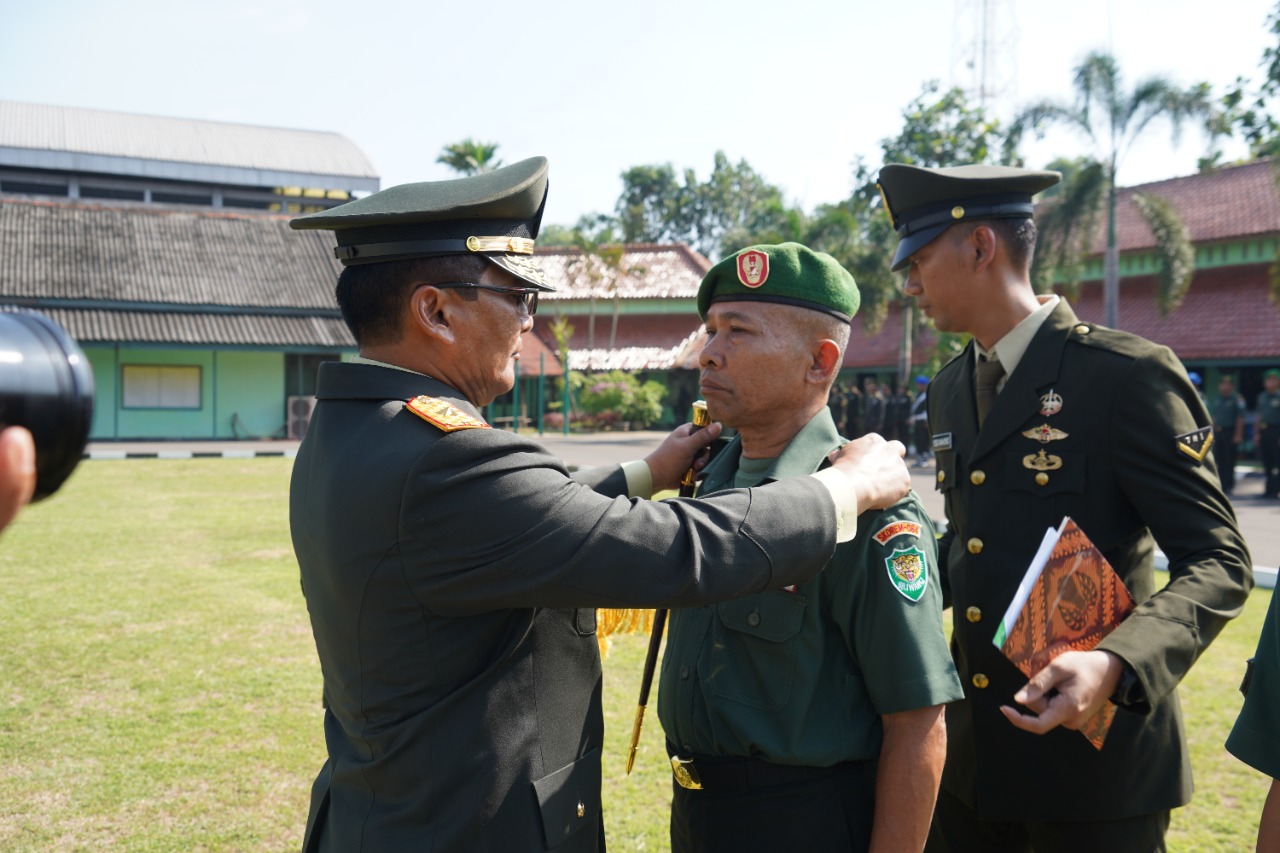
x=686, y=774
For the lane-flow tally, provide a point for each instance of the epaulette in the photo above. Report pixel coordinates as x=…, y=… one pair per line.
x=443, y=414
x=1113, y=340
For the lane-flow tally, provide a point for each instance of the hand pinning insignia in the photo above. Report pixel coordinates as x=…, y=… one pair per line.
x=1196, y=444
x=443, y=414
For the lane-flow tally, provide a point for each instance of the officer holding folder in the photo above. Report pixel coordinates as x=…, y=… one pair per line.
x=1044, y=416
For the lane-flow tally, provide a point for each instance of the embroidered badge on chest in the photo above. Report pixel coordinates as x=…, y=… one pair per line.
x=443, y=414
x=1196, y=444
x=909, y=571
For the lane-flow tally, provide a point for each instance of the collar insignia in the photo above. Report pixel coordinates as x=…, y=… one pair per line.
x=443, y=414
x=1196, y=444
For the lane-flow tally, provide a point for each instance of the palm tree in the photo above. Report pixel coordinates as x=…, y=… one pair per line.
x=1113, y=119
x=470, y=157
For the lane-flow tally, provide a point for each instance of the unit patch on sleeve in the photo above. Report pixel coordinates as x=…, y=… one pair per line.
x=897, y=528
x=1196, y=444
x=909, y=572
x=443, y=414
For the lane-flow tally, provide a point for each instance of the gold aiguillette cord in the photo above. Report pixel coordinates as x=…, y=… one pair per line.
x=687, y=487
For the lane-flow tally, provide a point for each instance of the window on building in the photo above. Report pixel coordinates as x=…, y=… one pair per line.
x=18, y=187
x=111, y=193
x=180, y=198
x=151, y=386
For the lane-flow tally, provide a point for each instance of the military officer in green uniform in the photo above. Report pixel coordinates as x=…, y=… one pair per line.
x=1043, y=416
x=1268, y=432
x=807, y=717
x=1227, y=412
x=1255, y=738
x=451, y=570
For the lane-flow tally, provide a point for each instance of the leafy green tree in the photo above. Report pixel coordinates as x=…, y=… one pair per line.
x=1112, y=119
x=734, y=207
x=470, y=157
x=1246, y=109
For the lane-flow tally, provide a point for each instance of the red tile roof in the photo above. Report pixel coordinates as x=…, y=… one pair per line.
x=661, y=271
x=1226, y=315
x=1232, y=202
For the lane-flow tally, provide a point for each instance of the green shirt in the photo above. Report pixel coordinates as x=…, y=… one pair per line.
x=1226, y=410
x=1255, y=739
x=1269, y=408
x=802, y=675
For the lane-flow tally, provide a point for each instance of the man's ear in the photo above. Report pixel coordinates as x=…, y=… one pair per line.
x=982, y=243
x=429, y=313
x=826, y=361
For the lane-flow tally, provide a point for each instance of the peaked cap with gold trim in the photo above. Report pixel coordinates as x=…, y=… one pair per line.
x=922, y=203
x=495, y=214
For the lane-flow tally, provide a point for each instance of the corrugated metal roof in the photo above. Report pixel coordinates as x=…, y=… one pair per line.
x=150, y=254
x=40, y=127
x=154, y=327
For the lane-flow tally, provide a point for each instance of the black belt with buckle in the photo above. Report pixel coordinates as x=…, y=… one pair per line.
x=746, y=774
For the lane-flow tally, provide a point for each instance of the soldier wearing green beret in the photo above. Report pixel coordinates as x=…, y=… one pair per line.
x=1268, y=432
x=807, y=717
x=451, y=570
x=1044, y=416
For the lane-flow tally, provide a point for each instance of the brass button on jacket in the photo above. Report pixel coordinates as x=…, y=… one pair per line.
x=973, y=614
x=980, y=681
x=978, y=477
x=975, y=545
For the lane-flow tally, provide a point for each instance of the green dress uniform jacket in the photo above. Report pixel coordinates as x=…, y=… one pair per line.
x=451, y=578
x=801, y=676
x=1120, y=403
x=1255, y=738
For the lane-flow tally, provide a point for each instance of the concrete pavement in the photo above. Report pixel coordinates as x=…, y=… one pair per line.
x=1259, y=519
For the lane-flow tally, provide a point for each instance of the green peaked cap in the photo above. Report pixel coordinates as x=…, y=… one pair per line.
x=495, y=214
x=925, y=202
x=788, y=273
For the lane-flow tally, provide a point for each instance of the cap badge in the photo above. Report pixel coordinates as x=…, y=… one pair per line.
x=1042, y=461
x=1196, y=444
x=1044, y=434
x=443, y=414
x=1050, y=404
x=753, y=268
x=957, y=212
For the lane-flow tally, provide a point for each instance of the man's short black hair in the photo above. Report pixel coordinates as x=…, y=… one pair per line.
x=1017, y=235
x=373, y=296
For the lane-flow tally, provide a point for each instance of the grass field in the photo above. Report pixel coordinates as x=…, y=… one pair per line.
x=159, y=689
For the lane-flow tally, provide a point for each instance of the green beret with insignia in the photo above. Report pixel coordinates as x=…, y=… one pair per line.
x=495, y=214
x=1273, y=373
x=922, y=203
x=789, y=274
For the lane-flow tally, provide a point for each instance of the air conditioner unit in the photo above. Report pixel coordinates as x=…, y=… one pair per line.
x=298, y=415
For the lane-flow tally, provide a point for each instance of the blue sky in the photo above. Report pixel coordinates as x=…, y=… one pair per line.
x=798, y=89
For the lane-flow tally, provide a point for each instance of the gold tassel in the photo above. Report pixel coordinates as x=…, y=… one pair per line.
x=620, y=621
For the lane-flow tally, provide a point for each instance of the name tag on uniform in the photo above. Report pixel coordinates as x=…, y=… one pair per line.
x=942, y=441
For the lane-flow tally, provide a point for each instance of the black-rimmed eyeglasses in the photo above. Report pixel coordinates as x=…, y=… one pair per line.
x=526, y=298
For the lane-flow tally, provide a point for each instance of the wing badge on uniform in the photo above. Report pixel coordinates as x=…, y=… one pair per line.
x=1196, y=443
x=443, y=414
x=909, y=572
x=1045, y=434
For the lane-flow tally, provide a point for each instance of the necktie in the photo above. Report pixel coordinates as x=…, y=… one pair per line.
x=990, y=371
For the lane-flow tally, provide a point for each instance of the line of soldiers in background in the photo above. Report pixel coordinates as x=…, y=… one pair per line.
x=876, y=407
x=1227, y=408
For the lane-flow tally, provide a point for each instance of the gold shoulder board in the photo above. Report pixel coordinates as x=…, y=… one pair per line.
x=443, y=414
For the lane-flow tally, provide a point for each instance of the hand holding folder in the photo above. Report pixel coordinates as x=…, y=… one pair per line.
x=1069, y=600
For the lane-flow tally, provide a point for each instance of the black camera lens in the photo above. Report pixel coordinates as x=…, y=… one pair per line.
x=46, y=385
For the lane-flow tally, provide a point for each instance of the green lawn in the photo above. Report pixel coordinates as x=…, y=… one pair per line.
x=159, y=689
